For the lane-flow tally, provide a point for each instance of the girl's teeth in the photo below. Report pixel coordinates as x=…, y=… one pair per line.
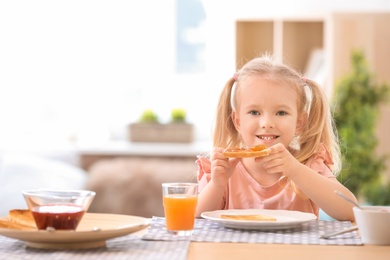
x=267, y=138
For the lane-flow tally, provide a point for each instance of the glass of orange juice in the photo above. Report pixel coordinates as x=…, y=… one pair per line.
x=179, y=200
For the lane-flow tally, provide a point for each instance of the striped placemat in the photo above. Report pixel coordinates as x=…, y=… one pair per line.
x=307, y=233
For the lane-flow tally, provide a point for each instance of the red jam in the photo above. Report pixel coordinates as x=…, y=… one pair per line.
x=58, y=216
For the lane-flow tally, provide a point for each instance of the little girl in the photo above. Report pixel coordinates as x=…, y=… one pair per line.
x=267, y=103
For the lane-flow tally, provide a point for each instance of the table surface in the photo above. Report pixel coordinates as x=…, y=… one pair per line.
x=199, y=249
x=127, y=247
x=226, y=251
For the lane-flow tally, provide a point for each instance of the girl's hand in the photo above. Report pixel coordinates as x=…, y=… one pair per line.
x=221, y=168
x=280, y=160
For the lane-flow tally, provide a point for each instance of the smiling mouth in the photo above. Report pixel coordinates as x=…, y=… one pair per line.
x=267, y=138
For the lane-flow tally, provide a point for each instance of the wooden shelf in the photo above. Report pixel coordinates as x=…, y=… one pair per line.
x=252, y=39
x=293, y=39
x=288, y=40
x=299, y=39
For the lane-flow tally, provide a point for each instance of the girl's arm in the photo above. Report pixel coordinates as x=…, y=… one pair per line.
x=210, y=198
x=318, y=188
x=321, y=191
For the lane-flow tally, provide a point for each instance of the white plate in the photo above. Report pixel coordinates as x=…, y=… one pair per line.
x=111, y=226
x=284, y=218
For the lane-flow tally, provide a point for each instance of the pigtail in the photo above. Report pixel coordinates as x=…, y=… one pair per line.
x=225, y=134
x=319, y=129
x=310, y=137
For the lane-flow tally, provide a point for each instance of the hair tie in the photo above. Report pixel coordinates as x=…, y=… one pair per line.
x=304, y=79
x=235, y=76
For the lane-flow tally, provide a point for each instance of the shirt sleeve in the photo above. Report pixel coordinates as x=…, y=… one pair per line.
x=321, y=162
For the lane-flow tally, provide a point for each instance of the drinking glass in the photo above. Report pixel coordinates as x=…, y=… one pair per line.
x=179, y=201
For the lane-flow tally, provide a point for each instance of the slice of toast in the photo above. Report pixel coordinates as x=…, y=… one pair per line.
x=20, y=219
x=256, y=217
x=22, y=216
x=5, y=223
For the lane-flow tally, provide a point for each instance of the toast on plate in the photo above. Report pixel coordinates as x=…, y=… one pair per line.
x=20, y=219
x=22, y=216
x=256, y=217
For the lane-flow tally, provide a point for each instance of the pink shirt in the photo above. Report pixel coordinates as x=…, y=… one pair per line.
x=243, y=192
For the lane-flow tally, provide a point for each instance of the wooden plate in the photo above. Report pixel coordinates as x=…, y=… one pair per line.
x=93, y=231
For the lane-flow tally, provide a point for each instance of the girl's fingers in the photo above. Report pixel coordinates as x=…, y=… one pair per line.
x=233, y=162
x=277, y=148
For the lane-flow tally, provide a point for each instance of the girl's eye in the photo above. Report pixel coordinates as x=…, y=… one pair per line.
x=281, y=113
x=254, y=113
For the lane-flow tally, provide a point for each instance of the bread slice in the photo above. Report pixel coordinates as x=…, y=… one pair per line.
x=5, y=223
x=22, y=216
x=256, y=151
x=256, y=217
x=19, y=219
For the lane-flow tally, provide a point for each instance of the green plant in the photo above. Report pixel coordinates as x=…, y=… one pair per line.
x=149, y=116
x=178, y=115
x=357, y=99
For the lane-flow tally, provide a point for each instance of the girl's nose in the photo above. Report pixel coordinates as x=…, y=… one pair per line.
x=266, y=122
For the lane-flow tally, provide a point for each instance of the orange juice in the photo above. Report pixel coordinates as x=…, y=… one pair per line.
x=180, y=211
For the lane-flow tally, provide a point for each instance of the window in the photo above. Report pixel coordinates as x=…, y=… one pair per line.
x=190, y=38
x=84, y=70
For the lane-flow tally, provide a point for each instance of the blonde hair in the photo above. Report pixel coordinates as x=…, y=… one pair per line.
x=311, y=99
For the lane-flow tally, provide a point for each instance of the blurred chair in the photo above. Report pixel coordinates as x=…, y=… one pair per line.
x=132, y=186
x=19, y=171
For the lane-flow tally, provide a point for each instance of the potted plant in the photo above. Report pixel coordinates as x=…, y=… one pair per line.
x=178, y=128
x=149, y=116
x=357, y=102
x=178, y=115
x=149, y=129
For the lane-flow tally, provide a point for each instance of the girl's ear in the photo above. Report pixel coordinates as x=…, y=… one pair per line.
x=236, y=120
x=301, y=123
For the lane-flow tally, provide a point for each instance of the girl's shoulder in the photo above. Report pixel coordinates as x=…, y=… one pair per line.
x=321, y=160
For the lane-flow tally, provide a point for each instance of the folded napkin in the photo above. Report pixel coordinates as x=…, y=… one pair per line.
x=307, y=233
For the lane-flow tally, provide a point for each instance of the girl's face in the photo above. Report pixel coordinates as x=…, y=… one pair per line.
x=267, y=113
